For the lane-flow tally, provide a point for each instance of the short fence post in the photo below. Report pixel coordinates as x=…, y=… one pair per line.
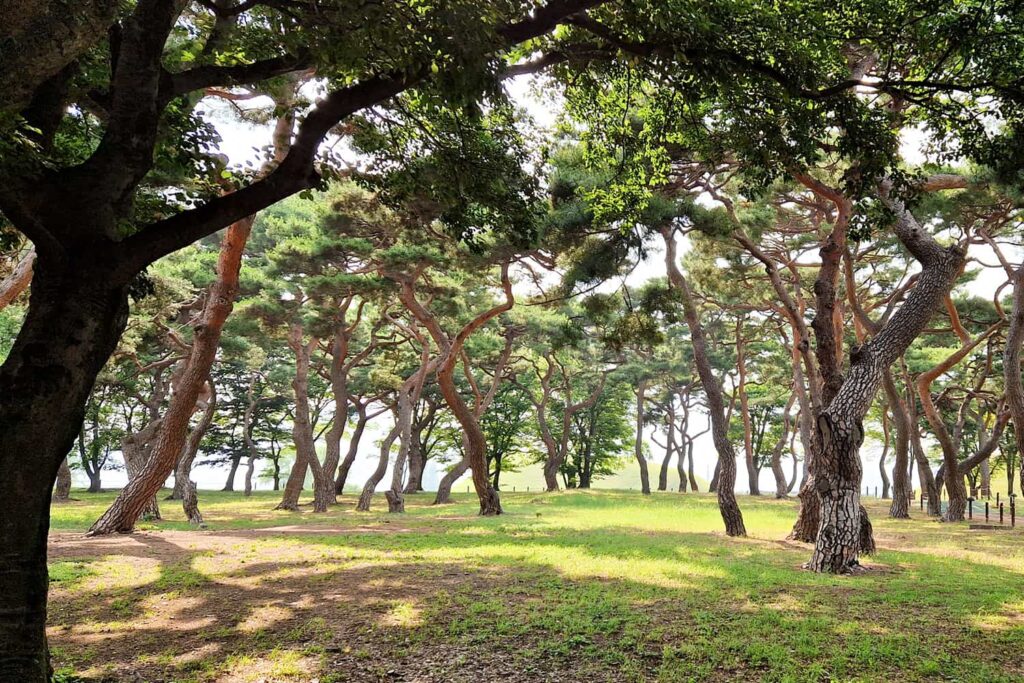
x=986, y=510
x=922, y=499
x=1013, y=510
x=997, y=497
x=970, y=508
x=1000, y=513
x=876, y=492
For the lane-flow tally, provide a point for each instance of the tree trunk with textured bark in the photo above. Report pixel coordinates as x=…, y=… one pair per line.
x=839, y=427
x=727, y=505
x=183, y=471
x=62, y=489
x=444, y=487
x=167, y=448
x=71, y=328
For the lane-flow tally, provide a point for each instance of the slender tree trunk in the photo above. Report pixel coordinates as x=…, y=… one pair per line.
x=72, y=326
x=881, y=459
x=125, y=510
x=748, y=445
x=727, y=505
x=95, y=483
x=293, y=485
x=189, y=497
x=689, y=465
x=366, y=497
x=1012, y=383
x=666, y=461
x=62, y=491
x=353, y=449
x=900, y=507
x=638, y=446
x=229, y=483
x=781, y=486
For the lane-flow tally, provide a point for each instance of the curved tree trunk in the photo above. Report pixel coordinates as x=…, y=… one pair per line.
x=353, y=448
x=132, y=500
x=183, y=473
x=727, y=505
x=444, y=487
x=900, y=507
x=366, y=497
x=839, y=427
x=638, y=446
x=881, y=458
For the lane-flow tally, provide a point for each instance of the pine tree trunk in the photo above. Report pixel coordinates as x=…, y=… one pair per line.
x=444, y=487
x=167, y=448
x=62, y=490
x=229, y=483
x=638, y=446
x=900, y=507
x=189, y=496
x=839, y=427
x=1012, y=383
x=366, y=497
x=689, y=467
x=726, y=475
x=72, y=326
x=748, y=446
x=353, y=449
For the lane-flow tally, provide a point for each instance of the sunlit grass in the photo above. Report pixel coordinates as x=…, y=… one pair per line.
x=610, y=585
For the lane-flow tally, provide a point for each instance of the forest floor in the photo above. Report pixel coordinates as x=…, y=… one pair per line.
x=577, y=586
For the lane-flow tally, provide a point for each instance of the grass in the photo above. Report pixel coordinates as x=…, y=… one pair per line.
x=602, y=586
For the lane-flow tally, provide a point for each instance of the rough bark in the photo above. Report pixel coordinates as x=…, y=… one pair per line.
x=727, y=505
x=353, y=447
x=62, y=489
x=839, y=427
x=444, y=487
x=75, y=318
x=125, y=510
x=41, y=38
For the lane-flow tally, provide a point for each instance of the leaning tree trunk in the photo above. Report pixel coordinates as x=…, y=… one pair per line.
x=881, y=458
x=667, y=460
x=62, y=490
x=689, y=467
x=353, y=449
x=748, y=445
x=72, y=326
x=727, y=505
x=900, y=507
x=137, y=450
x=839, y=427
x=189, y=495
x=366, y=497
x=781, y=485
x=638, y=446
x=1014, y=387
x=14, y=284
x=125, y=510
x=183, y=471
x=444, y=487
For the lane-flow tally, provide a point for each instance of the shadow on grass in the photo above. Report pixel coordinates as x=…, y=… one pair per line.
x=516, y=599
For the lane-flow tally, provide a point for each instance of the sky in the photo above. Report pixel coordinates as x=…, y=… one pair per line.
x=242, y=142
